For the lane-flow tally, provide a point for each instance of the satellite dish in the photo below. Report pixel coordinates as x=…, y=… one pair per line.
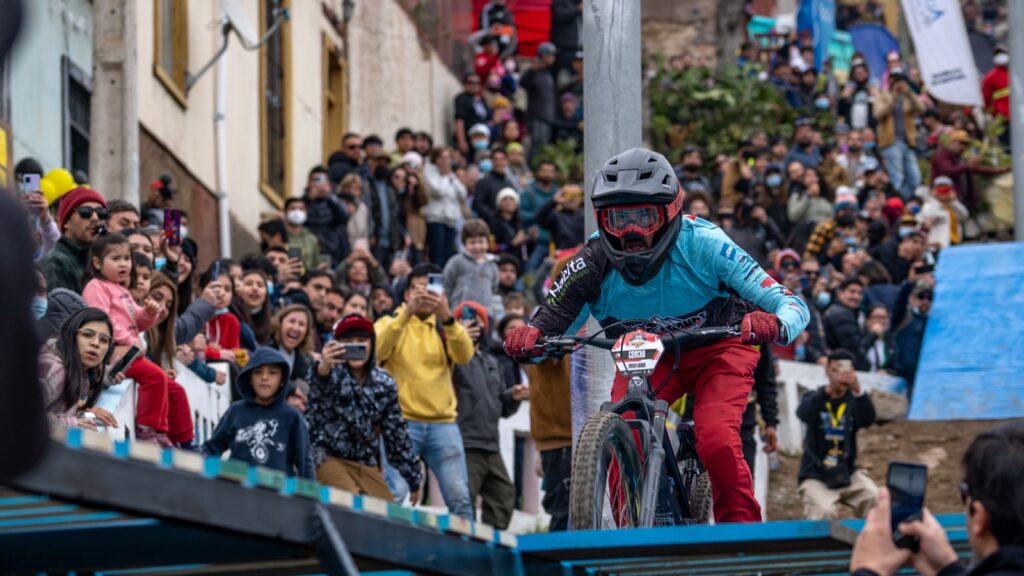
x=239, y=20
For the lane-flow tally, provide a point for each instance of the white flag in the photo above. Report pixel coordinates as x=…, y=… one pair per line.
x=940, y=40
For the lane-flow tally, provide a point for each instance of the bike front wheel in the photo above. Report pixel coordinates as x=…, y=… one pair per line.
x=606, y=476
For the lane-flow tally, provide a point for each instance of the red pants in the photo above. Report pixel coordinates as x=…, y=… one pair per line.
x=151, y=408
x=179, y=415
x=720, y=377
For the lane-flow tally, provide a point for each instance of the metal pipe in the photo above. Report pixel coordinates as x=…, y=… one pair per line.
x=220, y=156
x=1016, y=18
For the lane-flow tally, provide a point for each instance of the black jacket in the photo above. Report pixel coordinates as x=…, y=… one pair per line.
x=567, y=228
x=274, y=435
x=1007, y=561
x=396, y=229
x=566, y=22
x=466, y=110
x=484, y=392
x=888, y=254
x=842, y=330
x=817, y=410
x=340, y=165
x=539, y=84
x=327, y=218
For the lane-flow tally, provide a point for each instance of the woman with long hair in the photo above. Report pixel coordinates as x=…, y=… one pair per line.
x=163, y=349
x=292, y=334
x=252, y=304
x=72, y=367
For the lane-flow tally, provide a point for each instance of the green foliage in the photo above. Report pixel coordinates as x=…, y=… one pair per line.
x=565, y=156
x=713, y=111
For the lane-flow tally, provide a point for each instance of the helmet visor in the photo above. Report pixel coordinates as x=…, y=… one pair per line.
x=643, y=219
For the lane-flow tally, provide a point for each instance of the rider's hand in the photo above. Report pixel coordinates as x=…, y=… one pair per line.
x=759, y=328
x=520, y=342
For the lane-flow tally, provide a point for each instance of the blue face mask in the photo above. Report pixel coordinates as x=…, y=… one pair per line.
x=485, y=165
x=914, y=208
x=160, y=262
x=773, y=180
x=39, y=307
x=823, y=300
x=821, y=103
x=869, y=146
x=221, y=311
x=906, y=230
x=480, y=144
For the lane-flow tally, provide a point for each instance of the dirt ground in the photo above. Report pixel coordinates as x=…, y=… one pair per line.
x=940, y=445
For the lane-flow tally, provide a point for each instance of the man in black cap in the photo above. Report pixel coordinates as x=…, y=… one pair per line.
x=539, y=83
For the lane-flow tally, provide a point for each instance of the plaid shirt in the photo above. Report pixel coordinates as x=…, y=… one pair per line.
x=823, y=233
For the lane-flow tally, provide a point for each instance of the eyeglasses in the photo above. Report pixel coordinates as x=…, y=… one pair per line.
x=878, y=317
x=86, y=212
x=90, y=335
x=965, y=493
x=925, y=296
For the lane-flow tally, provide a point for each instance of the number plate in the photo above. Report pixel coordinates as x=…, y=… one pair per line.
x=636, y=353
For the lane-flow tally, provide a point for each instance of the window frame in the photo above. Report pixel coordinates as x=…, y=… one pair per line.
x=276, y=197
x=335, y=96
x=173, y=81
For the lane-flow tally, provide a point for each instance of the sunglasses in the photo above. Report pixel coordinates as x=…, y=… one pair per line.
x=790, y=264
x=90, y=335
x=810, y=273
x=925, y=295
x=86, y=212
x=353, y=147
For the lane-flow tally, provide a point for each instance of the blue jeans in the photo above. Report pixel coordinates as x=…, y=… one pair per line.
x=440, y=447
x=901, y=163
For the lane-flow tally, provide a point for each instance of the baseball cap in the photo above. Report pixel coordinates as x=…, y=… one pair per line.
x=546, y=48
x=480, y=130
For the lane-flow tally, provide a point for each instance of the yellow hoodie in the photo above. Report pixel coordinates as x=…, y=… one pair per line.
x=411, y=350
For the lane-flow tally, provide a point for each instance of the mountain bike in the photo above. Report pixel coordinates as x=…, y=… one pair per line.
x=628, y=472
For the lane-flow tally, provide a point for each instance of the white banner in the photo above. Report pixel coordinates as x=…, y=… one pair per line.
x=940, y=40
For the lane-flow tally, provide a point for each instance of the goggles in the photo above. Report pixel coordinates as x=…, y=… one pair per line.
x=642, y=219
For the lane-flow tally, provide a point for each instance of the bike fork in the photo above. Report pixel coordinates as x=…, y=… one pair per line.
x=653, y=467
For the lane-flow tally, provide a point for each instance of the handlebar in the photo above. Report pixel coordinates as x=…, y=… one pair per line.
x=563, y=343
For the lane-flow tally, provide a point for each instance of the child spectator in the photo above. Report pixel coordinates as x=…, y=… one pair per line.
x=262, y=429
x=143, y=275
x=110, y=276
x=224, y=331
x=472, y=275
x=509, y=235
x=484, y=384
x=563, y=217
x=508, y=275
x=72, y=367
x=352, y=404
x=515, y=304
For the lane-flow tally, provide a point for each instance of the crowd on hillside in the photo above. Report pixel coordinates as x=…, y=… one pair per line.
x=364, y=336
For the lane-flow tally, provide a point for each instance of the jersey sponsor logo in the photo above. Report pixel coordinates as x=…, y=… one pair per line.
x=729, y=251
x=768, y=282
x=573, y=270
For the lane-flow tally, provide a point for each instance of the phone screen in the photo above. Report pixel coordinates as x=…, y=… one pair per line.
x=844, y=365
x=172, y=226
x=295, y=252
x=435, y=283
x=126, y=361
x=907, y=482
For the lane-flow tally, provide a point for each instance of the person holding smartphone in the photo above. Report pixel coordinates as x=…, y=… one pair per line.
x=828, y=470
x=352, y=404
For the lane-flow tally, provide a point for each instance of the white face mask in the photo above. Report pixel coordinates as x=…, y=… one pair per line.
x=184, y=232
x=297, y=217
x=1001, y=59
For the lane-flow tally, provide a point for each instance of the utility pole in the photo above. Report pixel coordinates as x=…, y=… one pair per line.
x=1017, y=114
x=114, y=117
x=612, y=91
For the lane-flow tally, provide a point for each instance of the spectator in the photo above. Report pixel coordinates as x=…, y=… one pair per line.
x=834, y=174
x=357, y=304
x=351, y=194
x=910, y=330
x=690, y=171
x=897, y=110
x=539, y=83
x=143, y=267
x=563, y=217
x=810, y=203
x=508, y=275
x=943, y=215
x=856, y=99
x=262, y=429
x=764, y=397
x=186, y=278
x=854, y=161
x=507, y=226
x=755, y=233
x=424, y=144
x=948, y=161
x=880, y=344
x=352, y=405
x=878, y=286
x=470, y=110
x=827, y=230
x=418, y=346
x=518, y=169
x=224, y=331
x=842, y=325
x=405, y=140
x=298, y=235
x=489, y=57
x=995, y=87
x=81, y=215
x=382, y=300
x=804, y=151
x=348, y=160
x=898, y=253
x=383, y=199
x=484, y=384
x=316, y=283
x=566, y=31
x=569, y=123
x=325, y=216
x=359, y=272
x=328, y=316
x=539, y=192
x=934, y=130
x=110, y=276
x=72, y=367
x=485, y=197
x=443, y=209
x=292, y=337
x=253, y=305
x=121, y=215
x=828, y=470
x=994, y=497
x=473, y=274
x=273, y=234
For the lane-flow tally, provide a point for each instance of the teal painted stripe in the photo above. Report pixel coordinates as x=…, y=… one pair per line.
x=97, y=517
x=37, y=511
x=21, y=500
x=180, y=567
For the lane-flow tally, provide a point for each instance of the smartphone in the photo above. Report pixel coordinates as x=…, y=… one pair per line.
x=30, y=183
x=295, y=253
x=361, y=244
x=435, y=283
x=126, y=361
x=353, y=352
x=907, y=482
x=325, y=261
x=172, y=226
x=468, y=313
x=844, y=365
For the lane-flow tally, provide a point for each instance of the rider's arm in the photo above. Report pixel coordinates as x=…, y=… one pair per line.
x=579, y=284
x=737, y=270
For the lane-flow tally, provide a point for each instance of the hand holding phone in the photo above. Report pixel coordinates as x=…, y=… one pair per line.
x=907, y=482
x=353, y=351
x=126, y=361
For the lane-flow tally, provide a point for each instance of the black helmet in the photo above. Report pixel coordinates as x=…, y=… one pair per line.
x=637, y=201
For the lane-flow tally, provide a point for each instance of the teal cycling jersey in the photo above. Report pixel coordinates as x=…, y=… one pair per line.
x=707, y=280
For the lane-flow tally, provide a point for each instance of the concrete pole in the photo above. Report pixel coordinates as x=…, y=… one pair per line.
x=612, y=93
x=1017, y=114
x=114, y=118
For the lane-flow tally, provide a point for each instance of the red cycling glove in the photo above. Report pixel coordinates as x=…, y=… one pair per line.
x=759, y=328
x=520, y=342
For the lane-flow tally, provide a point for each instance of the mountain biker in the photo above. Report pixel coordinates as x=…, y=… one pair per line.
x=650, y=260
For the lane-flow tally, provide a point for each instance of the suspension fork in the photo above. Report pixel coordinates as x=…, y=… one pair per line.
x=653, y=473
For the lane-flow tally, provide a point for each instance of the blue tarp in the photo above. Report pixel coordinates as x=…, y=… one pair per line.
x=972, y=364
x=873, y=41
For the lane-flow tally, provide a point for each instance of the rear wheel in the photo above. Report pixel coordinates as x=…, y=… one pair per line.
x=606, y=476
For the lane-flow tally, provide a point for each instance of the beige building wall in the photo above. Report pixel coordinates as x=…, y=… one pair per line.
x=395, y=79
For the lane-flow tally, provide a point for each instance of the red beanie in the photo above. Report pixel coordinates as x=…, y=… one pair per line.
x=353, y=323
x=74, y=199
x=481, y=312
